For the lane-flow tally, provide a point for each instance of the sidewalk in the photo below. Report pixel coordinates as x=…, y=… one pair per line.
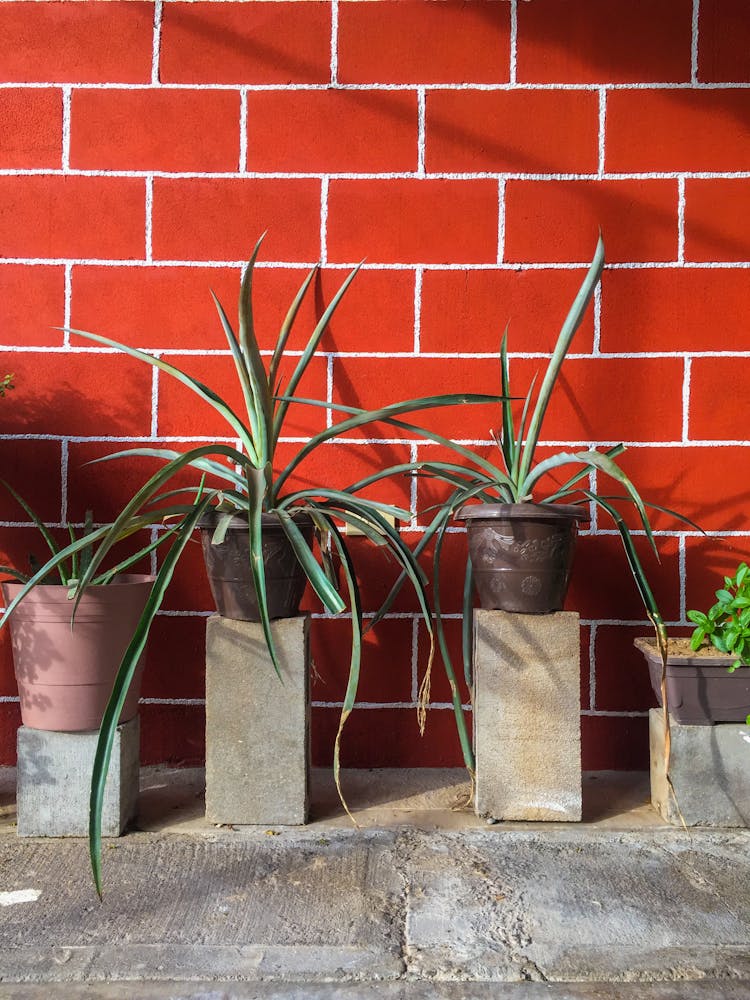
x=421, y=901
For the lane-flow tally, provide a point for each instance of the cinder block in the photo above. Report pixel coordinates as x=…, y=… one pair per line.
x=54, y=779
x=527, y=724
x=710, y=771
x=257, y=726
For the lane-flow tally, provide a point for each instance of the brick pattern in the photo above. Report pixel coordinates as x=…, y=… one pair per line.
x=469, y=150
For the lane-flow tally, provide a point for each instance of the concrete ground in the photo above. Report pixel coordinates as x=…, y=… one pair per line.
x=422, y=900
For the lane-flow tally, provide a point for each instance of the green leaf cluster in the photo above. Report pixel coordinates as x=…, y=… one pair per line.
x=726, y=625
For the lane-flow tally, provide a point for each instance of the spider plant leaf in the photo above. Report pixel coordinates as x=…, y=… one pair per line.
x=307, y=354
x=344, y=497
x=256, y=487
x=203, y=391
x=448, y=470
x=16, y=574
x=373, y=535
x=319, y=581
x=286, y=328
x=52, y=545
x=569, y=327
x=222, y=526
x=85, y=555
x=253, y=405
x=569, y=485
x=217, y=469
x=507, y=442
x=74, y=559
x=661, y=509
x=121, y=686
x=518, y=453
x=254, y=362
x=125, y=564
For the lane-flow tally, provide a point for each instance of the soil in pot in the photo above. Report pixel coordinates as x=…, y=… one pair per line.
x=229, y=575
x=65, y=675
x=700, y=689
x=522, y=554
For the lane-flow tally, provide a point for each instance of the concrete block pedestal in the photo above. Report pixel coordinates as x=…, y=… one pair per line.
x=54, y=780
x=710, y=771
x=257, y=726
x=527, y=724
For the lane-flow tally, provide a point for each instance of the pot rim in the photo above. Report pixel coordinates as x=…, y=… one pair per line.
x=521, y=511
x=647, y=646
x=51, y=589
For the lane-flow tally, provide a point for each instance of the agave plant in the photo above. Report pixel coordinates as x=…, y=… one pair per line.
x=514, y=478
x=249, y=487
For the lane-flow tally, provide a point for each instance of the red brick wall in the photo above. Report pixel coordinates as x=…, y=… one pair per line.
x=469, y=151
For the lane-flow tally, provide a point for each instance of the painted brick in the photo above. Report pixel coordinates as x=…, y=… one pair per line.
x=183, y=413
x=674, y=309
x=253, y=43
x=581, y=410
x=468, y=310
x=176, y=658
x=387, y=737
x=708, y=561
x=22, y=462
x=606, y=42
x=332, y=131
x=673, y=119
x=94, y=42
x=370, y=383
x=413, y=221
x=155, y=129
x=173, y=734
x=32, y=129
x=723, y=41
x=77, y=394
x=558, y=220
x=10, y=720
x=210, y=219
x=189, y=589
x=528, y=131
x=715, y=219
x=419, y=41
x=602, y=585
x=715, y=384
x=622, y=678
x=386, y=661
x=72, y=216
x=18, y=545
x=33, y=305
x=676, y=478
x=614, y=744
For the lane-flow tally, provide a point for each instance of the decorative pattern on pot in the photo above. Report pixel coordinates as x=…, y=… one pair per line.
x=522, y=554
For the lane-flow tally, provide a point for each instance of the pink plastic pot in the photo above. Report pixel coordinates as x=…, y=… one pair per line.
x=65, y=675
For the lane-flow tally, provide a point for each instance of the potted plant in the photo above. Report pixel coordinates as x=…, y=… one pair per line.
x=704, y=680
x=65, y=666
x=253, y=506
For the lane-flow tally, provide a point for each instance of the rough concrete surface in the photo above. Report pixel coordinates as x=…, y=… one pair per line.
x=710, y=771
x=257, y=728
x=401, y=905
x=527, y=715
x=54, y=778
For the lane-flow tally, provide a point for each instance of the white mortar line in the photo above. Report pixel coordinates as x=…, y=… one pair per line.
x=64, y=462
x=694, y=42
x=513, y=40
x=413, y=496
x=329, y=388
x=148, y=249
x=687, y=372
x=592, y=666
x=156, y=47
x=421, y=130
x=681, y=219
x=418, y=277
x=596, y=345
x=65, y=157
x=155, y=400
x=602, y=126
x=243, y=131
x=334, y=41
x=324, y=220
x=501, y=184
x=68, y=304
x=472, y=85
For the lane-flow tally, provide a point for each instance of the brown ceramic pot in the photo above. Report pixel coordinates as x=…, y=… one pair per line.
x=700, y=690
x=522, y=554
x=228, y=568
x=65, y=674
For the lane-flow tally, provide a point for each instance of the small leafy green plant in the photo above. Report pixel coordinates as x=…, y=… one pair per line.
x=726, y=625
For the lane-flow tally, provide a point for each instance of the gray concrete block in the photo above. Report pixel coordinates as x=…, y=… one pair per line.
x=54, y=780
x=257, y=726
x=710, y=771
x=527, y=724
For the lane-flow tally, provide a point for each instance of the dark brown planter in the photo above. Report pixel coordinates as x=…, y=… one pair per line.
x=65, y=675
x=700, y=690
x=230, y=578
x=522, y=554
